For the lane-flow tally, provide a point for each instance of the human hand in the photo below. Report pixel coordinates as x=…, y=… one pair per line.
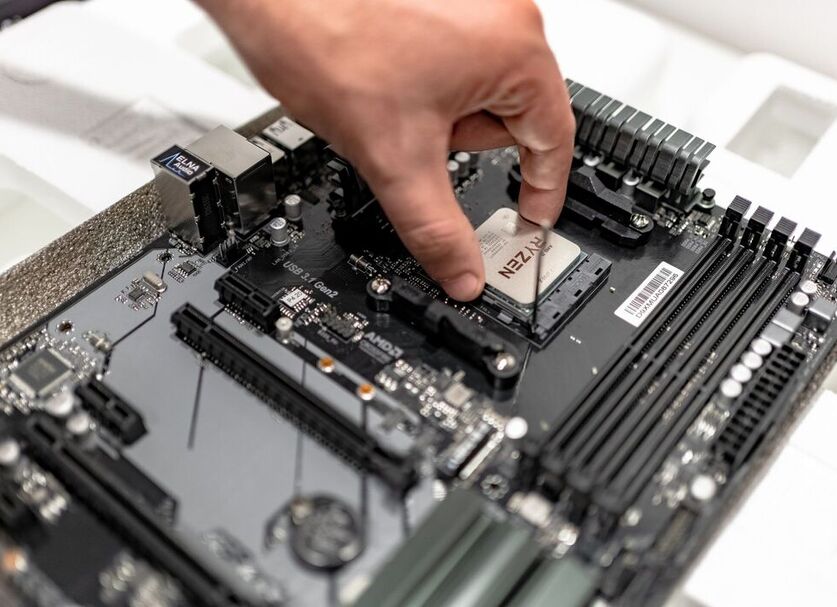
x=394, y=85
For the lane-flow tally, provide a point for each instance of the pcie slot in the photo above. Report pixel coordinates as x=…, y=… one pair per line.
x=117, y=505
x=675, y=306
x=735, y=342
x=620, y=407
x=313, y=413
x=645, y=419
x=112, y=411
x=256, y=307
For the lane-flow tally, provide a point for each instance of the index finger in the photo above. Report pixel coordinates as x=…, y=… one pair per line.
x=543, y=126
x=418, y=199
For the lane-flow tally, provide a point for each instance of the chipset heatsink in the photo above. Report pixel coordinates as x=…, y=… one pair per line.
x=510, y=248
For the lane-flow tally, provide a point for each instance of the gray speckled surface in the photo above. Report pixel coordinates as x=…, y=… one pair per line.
x=41, y=283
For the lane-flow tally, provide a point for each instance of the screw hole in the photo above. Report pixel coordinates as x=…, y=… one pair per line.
x=65, y=326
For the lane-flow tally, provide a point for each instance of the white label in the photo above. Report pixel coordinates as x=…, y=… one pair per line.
x=651, y=292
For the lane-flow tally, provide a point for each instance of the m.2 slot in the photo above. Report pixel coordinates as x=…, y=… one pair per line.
x=107, y=496
x=309, y=410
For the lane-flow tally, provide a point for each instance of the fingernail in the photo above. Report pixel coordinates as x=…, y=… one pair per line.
x=464, y=287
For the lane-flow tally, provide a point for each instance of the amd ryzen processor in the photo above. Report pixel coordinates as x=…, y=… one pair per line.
x=510, y=248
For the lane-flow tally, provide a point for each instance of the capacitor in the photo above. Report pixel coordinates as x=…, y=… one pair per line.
x=809, y=287
x=79, y=423
x=798, y=302
x=465, y=163
x=741, y=374
x=284, y=328
x=703, y=487
x=279, y=234
x=453, y=171
x=9, y=452
x=475, y=160
x=516, y=428
x=629, y=182
x=752, y=361
x=293, y=208
x=761, y=346
x=61, y=405
x=730, y=390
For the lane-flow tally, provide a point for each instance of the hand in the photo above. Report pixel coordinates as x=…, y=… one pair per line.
x=395, y=84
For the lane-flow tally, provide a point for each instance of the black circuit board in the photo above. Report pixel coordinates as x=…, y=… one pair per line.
x=252, y=426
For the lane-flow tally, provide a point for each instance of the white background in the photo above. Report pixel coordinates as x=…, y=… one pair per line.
x=74, y=73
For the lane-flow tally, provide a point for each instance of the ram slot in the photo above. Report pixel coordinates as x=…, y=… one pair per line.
x=109, y=498
x=565, y=582
x=460, y=556
x=306, y=408
x=670, y=373
x=620, y=408
x=732, y=343
x=674, y=312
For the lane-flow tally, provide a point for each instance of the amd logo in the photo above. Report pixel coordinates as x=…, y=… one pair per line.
x=384, y=344
x=521, y=258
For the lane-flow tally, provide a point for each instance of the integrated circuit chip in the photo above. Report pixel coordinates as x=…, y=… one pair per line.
x=41, y=374
x=136, y=294
x=188, y=268
x=510, y=248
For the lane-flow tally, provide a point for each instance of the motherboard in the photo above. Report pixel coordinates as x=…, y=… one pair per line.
x=273, y=404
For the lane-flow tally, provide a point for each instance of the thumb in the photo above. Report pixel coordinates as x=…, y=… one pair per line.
x=418, y=199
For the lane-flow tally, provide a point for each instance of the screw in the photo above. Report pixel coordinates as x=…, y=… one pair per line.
x=381, y=285
x=640, y=221
x=504, y=361
x=630, y=179
x=592, y=160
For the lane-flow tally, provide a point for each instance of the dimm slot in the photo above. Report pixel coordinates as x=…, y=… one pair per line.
x=637, y=474
x=615, y=412
x=618, y=368
x=646, y=419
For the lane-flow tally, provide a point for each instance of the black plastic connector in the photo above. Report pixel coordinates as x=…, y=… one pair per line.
x=112, y=411
x=308, y=409
x=779, y=238
x=112, y=500
x=734, y=216
x=755, y=228
x=249, y=301
x=828, y=274
x=500, y=360
x=803, y=249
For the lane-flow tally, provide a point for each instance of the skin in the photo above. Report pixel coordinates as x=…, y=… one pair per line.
x=395, y=84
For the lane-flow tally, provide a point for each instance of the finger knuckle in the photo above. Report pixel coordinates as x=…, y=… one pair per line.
x=531, y=14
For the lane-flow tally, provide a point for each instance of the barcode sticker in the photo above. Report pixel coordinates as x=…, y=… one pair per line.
x=651, y=292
